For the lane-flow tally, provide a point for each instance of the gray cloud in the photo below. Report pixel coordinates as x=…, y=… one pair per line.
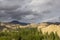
x=29, y=10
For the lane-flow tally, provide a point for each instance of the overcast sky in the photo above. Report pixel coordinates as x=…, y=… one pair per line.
x=30, y=10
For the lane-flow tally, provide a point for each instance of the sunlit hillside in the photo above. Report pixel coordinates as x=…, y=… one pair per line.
x=33, y=31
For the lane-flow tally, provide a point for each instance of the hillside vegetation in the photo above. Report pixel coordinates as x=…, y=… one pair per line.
x=27, y=34
x=41, y=31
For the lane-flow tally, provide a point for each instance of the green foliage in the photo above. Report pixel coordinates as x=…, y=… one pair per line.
x=27, y=34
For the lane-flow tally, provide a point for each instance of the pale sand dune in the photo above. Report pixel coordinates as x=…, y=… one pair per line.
x=42, y=25
x=51, y=28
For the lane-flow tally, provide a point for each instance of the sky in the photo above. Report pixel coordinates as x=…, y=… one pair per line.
x=30, y=11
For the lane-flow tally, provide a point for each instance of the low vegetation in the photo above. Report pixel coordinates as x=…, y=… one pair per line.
x=42, y=31
x=27, y=34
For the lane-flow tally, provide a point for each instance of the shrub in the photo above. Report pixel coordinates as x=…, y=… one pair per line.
x=27, y=34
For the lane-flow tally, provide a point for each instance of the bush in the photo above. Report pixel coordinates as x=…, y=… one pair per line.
x=28, y=34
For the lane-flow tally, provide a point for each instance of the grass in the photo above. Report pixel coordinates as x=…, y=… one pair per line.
x=27, y=34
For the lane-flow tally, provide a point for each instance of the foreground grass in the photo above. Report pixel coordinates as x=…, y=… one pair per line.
x=27, y=34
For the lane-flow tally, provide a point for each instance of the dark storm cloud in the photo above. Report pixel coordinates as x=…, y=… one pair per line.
x=29, y=10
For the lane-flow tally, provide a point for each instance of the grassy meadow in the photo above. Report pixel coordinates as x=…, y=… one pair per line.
x=27, y=34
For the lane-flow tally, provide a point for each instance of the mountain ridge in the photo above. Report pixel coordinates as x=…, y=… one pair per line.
x=17, y=22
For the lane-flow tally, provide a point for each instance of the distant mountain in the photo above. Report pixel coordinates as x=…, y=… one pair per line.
x=57, y=23
x=17, y=22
